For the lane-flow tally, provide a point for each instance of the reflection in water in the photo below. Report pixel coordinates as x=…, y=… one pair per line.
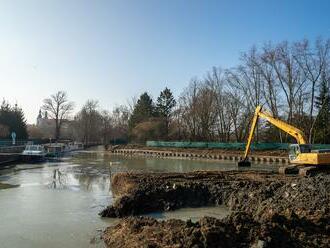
x=91, y=182
x=59, y=179
x=87, y=179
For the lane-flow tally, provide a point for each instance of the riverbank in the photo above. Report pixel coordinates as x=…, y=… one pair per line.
x=267, y=210
x=278, y=156
x=10, y=155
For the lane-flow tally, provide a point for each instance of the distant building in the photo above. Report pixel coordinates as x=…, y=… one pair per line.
x=47, y=126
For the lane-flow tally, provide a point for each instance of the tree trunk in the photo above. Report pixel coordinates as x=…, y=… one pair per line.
x=311, y=116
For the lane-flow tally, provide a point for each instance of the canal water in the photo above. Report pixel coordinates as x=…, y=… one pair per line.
x=56, y=204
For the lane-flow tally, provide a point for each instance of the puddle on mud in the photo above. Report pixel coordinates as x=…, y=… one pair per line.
x=193, y=214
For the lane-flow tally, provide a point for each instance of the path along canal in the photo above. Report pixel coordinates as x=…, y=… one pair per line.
x=56, y=204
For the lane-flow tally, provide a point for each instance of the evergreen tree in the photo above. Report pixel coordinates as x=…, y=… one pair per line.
x=165, y=105
x=19, y=123
x=322, y=125
x=13, y=118
x=143, y=110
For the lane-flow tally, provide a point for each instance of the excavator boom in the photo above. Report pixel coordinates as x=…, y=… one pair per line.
x=293, y=131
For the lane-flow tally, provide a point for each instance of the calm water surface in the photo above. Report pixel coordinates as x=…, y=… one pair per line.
x=55, y=204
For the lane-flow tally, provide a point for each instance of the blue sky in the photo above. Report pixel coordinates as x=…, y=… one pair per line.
x=114, y=50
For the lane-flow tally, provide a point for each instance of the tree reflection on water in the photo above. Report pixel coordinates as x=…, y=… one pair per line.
x=58, y=179
x=87, y=179
x=90, y=182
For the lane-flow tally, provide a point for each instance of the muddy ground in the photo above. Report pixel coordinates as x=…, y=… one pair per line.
x=267, y=210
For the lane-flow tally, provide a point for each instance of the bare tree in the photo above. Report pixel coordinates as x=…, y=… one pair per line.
x=89, y=122
x=206, y=112
x=119, y=121
x=188, y=108
x=216, y=80
x=247, y=78
x=59, y=108
x=106, y=127
x=271, y=87
x=289, y=75
x=312, y=62
x=238, y=114
x=198, y=110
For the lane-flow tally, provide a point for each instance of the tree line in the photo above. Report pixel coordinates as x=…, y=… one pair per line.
x=289, y=79
x=89, y=124
x=12, y=120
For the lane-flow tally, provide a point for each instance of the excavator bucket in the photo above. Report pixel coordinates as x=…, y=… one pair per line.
x=244, y=163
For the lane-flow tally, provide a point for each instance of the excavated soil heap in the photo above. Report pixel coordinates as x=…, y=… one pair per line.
x=268, y=210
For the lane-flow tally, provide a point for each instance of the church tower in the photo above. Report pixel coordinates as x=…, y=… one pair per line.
x=39, y=118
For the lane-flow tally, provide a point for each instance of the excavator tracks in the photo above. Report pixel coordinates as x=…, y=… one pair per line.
x=304, y=170
x=289, y=169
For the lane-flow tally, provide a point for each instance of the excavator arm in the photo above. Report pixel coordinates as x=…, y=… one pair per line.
x=291, y=130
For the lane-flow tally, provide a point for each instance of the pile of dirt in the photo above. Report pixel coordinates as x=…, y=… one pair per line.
x=148, y=232
x=305, y=196
x=237, y=230
x=267, y=210
x=147, y=192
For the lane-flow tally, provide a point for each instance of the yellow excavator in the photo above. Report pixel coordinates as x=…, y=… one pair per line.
x=302, y=158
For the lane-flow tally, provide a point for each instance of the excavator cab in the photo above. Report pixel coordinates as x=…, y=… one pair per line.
x=296, y=149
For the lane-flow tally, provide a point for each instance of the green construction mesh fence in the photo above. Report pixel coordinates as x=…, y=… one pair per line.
x=227, y=146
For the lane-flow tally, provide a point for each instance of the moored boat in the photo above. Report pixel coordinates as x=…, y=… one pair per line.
x=34, y=153
x=55, y=149
x=75, y=146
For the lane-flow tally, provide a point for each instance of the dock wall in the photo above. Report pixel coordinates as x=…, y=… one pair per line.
x=196, y=155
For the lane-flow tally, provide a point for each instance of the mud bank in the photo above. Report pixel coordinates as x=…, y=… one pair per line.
x=139, y=193
x=237, y=230
x=268, y=210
